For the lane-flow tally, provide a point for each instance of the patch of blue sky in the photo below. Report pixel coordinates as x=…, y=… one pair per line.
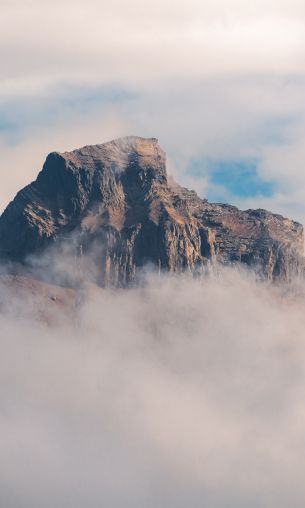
x=84, y=99
x=234, y=178
x=5, y=123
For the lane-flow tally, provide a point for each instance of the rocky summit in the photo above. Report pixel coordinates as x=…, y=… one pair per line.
x=115, y=201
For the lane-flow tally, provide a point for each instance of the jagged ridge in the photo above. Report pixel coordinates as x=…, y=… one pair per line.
x=116, y=200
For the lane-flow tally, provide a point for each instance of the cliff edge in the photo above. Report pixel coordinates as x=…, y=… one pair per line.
x=116, y=201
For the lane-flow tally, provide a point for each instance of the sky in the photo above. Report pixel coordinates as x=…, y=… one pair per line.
x=220, y=83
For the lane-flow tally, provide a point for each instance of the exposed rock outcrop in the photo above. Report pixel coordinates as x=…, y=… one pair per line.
x=116, y=201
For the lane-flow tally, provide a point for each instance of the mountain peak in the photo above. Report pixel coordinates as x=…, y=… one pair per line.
x=119, y=151
x=115, y=196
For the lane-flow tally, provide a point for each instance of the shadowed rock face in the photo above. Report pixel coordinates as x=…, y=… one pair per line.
x=115, y=201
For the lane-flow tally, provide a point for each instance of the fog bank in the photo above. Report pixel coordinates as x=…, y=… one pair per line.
x=180, y=393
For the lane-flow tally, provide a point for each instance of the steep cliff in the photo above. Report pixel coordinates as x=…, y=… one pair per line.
x=115, y=201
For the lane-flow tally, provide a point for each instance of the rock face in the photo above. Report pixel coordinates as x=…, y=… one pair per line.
x=115, y=201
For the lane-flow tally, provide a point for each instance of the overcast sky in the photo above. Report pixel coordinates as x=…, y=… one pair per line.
x=220, y=83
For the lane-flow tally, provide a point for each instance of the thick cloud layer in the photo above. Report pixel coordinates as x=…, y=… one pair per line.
x=137, y=41
x=180, y=393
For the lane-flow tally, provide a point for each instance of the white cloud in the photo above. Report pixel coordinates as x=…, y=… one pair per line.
x=182, y=393
x=139, y=42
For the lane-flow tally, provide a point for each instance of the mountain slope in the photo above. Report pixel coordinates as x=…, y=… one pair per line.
x=114, y=200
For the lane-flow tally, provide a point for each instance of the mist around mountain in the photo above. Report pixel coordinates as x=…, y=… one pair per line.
x=182, y=392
